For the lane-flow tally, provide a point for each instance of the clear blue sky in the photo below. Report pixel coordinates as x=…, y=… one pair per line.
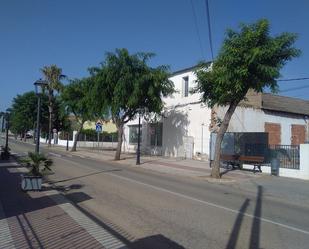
x=75, y=34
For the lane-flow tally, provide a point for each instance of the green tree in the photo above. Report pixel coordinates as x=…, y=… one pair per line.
x=125, y=83
x=249, y=59
x=76, y=98
x=24, y=111
x=53, y=76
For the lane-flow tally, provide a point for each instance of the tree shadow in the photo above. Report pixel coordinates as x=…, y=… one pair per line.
x=237, y=225
x=155, y=241
x=256, y=224
x=36, y=222
x=254, y=242
x=62, y=188
x=82, y=176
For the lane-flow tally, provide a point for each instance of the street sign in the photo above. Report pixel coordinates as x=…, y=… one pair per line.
x=98, y=127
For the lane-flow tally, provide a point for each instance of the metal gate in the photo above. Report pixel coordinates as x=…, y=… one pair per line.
x=288, y=155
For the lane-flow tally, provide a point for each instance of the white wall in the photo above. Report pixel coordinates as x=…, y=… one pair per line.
x=253, y=120
x=183, y=117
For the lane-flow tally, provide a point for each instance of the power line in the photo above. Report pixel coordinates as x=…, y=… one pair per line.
x=209, y=29
x=197, y=29
x=305, y=78
x=294, y=88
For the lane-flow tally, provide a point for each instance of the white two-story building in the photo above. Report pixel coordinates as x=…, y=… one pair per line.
x=186, y=123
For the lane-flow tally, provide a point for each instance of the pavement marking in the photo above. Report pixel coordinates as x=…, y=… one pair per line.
x=106, y=239
x=212, y=204
x=6, y=240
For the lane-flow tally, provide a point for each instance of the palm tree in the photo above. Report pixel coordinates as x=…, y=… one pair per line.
x=53, y=76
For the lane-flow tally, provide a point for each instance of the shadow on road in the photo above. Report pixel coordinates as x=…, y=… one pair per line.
x=35, y=221
x=78, y=177
x=155, y=241
x=256, y=224
x=237, y=225
x=254, y=242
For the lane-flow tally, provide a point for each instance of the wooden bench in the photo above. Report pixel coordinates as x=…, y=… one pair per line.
x=236, y=160
x=255, y=160
x=230, y=159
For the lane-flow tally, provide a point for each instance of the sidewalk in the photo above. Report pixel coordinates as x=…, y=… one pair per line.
x=45, y=219
x=167, y=165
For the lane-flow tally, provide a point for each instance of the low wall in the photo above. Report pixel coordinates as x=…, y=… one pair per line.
x=84, y=144
x=96, y=144
x=301, y=173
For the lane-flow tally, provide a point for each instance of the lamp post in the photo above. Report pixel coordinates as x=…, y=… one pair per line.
x=67, y=132
x=6, y=116
x=7, y=126
x=2, y=126
x=138, y=152
x=39, y=86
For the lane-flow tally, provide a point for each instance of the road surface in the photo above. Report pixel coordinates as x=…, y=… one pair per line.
x=154, y=210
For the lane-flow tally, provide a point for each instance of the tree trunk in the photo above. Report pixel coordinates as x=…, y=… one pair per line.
x=215, y=171
x=76, y=137
x=119, y=145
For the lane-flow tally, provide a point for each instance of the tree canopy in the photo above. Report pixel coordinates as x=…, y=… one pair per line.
x=125, y=83
x=24, y=113
x=76, y=98
x=250, y=58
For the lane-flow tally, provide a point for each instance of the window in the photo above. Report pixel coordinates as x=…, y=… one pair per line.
x=155, y=131
x=185, y=86
x=133, y=134
x=274, y=133
x=298, y=134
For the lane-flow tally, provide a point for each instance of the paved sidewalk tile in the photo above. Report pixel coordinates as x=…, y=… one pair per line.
x=44, y=219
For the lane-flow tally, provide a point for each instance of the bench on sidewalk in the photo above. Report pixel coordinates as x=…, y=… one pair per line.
x=239, y=160
x=257, y=161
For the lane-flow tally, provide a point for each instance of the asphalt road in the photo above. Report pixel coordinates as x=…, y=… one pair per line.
x=154, y=210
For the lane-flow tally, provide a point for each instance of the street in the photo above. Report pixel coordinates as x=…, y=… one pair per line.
x=154, y=210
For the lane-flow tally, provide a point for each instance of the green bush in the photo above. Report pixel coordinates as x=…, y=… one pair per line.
x=91, y=135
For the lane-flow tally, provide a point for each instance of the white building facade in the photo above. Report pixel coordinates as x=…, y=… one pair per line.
x=183, y=129
x=186, y=123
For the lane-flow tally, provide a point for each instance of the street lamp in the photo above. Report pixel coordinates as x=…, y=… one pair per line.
x=2, y=126
x=6, y=116
x=39, y=87
x=67, y=132
x=138, y=151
